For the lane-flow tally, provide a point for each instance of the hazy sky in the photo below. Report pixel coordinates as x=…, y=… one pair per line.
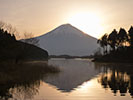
x=41, y=16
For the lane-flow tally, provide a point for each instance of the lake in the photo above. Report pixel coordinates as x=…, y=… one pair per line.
x=78, y=79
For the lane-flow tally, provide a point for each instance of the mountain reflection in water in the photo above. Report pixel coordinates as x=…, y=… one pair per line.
x=73, y=73
x=78, y=79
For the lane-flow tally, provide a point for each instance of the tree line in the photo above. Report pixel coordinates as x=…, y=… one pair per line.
x=14, y=50
x=6, y=37
x=26, y=37
x=116, y=40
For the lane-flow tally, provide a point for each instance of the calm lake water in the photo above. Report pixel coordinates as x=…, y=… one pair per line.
x=78, y=79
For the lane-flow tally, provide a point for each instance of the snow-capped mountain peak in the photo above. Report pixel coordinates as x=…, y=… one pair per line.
x=68, y=40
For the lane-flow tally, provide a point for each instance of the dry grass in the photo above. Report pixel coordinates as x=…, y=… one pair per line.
x=11, y=72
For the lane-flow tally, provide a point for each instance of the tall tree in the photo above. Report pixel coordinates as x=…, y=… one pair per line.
x=122, y=37
x=112, y=39
x=103, y=41
x=131, y=36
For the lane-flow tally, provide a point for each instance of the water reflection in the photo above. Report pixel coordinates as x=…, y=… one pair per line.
x=25, y=90
x=78, y=79
x=117, y=77
x=22, y=81
x=78, y=74
x=74, y=72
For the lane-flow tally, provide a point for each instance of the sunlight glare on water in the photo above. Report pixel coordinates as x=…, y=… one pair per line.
x=90, y=90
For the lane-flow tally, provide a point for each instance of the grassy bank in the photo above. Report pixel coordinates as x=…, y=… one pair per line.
x=11, y=72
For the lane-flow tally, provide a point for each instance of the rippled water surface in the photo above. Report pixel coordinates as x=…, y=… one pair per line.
x=78, y=79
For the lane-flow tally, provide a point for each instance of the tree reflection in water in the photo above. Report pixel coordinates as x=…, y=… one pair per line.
x=25, y=91
x=117, y=77
x=22, y=81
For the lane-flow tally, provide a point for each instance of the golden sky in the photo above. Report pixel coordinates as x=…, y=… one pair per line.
x=41, y=16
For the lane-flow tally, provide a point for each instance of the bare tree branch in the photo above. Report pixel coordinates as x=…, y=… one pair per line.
x=2, y=24
x=10, y=29
x=29, y=38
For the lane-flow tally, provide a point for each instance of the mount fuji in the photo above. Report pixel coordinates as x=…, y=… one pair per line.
x=68, y=40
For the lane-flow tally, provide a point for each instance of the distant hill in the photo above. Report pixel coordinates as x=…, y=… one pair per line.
x=11, y=49
x=68, y=40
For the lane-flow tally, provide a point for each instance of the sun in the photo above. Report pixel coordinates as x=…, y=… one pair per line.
x=87, y=22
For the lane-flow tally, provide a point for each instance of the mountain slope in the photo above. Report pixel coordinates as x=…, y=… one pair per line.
x=68, y=40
